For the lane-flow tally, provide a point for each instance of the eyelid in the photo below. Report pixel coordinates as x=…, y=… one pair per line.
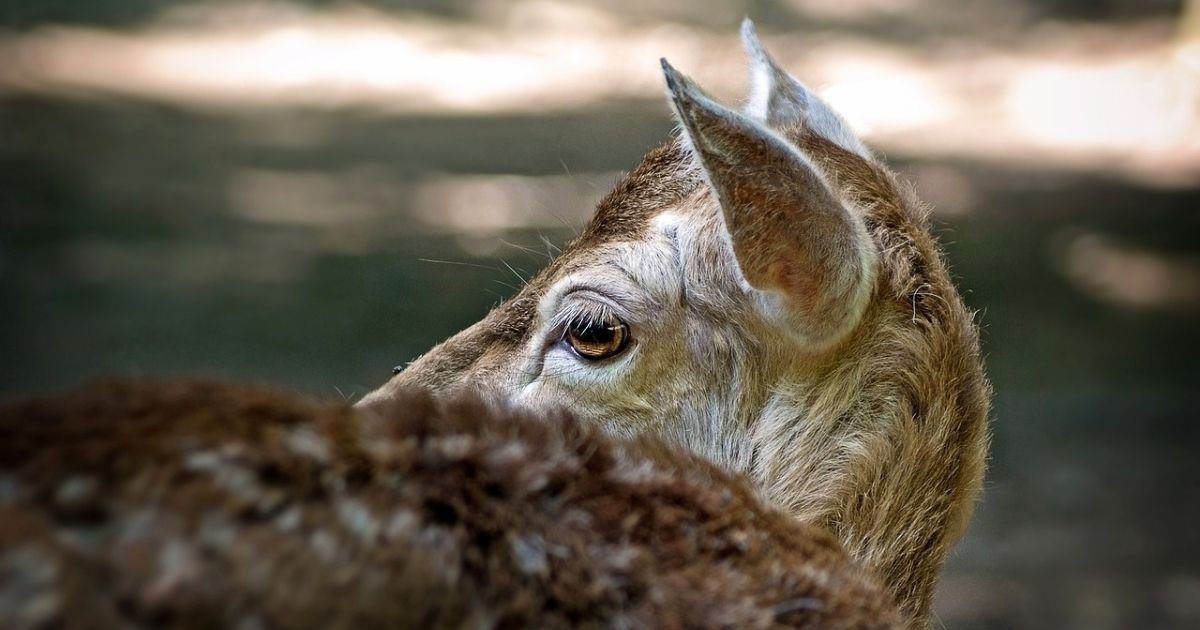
x=585, y=303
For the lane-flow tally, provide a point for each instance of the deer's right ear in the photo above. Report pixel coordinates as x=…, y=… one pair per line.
x=806, y=257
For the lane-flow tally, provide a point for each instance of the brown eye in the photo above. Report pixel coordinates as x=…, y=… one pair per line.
x=597, y=340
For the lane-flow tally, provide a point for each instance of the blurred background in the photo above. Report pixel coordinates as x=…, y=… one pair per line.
x=305, y=193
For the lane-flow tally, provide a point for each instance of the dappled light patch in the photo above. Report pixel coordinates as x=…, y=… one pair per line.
x=1115, y=98
x=1103, y=267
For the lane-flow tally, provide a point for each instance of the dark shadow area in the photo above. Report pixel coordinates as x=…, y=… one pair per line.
x=1106, y=10
x=1040, y=329
x=123, y=14
x=17, y=14
x=120, y=243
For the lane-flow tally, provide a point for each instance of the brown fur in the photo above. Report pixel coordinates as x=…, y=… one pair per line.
x=195, y=505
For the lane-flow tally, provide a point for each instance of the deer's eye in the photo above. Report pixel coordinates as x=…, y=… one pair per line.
x=597, y=340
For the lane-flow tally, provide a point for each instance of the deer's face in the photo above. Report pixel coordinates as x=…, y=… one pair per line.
x=761, y=292
x=722, y=269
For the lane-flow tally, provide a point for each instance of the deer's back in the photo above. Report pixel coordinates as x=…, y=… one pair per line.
x=201, y=505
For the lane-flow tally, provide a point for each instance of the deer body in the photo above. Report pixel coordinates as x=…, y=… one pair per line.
x=199, y=505
x=763, y=292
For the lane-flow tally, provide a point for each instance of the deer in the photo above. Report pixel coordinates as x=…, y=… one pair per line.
x=763, y=291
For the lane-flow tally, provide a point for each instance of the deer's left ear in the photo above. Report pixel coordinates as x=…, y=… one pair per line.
x=777, y=99
x=806, y=257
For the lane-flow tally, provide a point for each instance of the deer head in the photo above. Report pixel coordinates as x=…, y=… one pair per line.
x=762, y=291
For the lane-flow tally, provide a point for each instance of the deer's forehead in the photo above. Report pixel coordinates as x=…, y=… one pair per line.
x=664, y=178
x=680, y=262
x=639, y=274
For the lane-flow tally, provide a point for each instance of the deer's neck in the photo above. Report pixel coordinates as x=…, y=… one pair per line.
x=892, y=475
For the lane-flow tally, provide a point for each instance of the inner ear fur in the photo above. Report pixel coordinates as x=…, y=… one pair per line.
x=805, y=255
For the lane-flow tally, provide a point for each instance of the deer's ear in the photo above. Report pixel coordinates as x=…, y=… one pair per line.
x=777, y=99
x=806, y=257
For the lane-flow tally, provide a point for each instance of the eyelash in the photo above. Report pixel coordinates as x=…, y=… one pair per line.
x=580, y=312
